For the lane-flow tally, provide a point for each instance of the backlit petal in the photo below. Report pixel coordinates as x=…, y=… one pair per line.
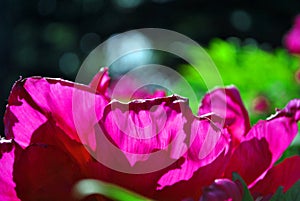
x=8, y=150
x=284, y=174
x=227, y=104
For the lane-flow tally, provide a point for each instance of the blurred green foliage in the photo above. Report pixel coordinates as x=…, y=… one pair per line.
x=292, y=194
x=266, y=80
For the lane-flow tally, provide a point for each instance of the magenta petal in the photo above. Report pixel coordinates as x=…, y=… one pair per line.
x=143, y=136
x=279, y=130
x=7, y=157
x=223, y=189
x=292, y=41
x=150, y=135
x=190, y=179
x=22, y=117
x=206, y=145
x=158, y=94
x=145, y=126
x=250, y=159
x=75, y=108
x=227, y=104
x=284, y=174
x=292, y=109
x=100, y=82
x=202, y=163
x=264, y=144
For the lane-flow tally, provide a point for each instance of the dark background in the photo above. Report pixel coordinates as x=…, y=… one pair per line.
x=41, y=37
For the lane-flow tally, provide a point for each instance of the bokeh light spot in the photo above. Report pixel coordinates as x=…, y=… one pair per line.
x=89, y=41
x=128, y=3
x=134, y=40
x=60, y=35
x=241, y=20
x=69, y=63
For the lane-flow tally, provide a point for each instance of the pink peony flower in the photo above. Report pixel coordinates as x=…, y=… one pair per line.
x=292, y=38
x=56, y=137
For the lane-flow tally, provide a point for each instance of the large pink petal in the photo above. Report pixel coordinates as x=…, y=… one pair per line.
x=284, y=174
x=41, y=172
x=156, y=133
x=206, y=143
x=7, y=157
x=264, y=144
x=227, y=104
x=145, y=126
x=50, y=134
x=75, y=108
x=279, y=130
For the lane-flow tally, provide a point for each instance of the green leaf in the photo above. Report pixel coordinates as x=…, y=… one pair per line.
x=293, y=193
x=88, y=187
x=246, y=193
x=278, y=196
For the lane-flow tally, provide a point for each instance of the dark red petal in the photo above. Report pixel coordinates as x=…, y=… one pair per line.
x=44, y=172
x=50, y=134
x=284, y=174
x=297, y=22
x=227, y=104
x=250, y=159
x=8, y=150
